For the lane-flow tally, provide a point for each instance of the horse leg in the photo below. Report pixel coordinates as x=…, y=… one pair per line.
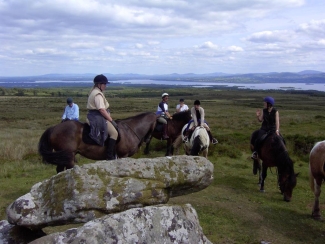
x=146, y=150
x=59, y=168
x=169, y=148
x=70, y=165
x=317, y=190
x=264, y=174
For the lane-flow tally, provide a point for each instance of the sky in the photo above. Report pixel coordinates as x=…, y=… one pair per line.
x=161, y=36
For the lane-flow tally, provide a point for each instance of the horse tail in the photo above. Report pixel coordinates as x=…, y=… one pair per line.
x=46, y=150
x=196, y=147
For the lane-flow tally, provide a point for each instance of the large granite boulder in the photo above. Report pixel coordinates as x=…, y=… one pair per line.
x=88, y=192
x=154, y=224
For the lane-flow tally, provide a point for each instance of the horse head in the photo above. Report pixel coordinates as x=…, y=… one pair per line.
x=287, y=182
x=183, y=117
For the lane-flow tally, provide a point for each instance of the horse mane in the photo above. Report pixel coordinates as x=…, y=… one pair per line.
x=182, y=116
x=138, y=116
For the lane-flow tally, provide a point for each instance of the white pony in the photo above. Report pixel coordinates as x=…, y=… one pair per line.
x=199, y=142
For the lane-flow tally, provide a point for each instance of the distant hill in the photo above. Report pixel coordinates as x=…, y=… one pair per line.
x=306, y=76
x=309, y=72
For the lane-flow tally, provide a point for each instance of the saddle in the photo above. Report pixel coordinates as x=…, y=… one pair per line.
x=88, y=140
x=261, y=140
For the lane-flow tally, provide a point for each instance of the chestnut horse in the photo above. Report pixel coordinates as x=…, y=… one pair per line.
x=317, y=174
x=273, y=153
x=59, y=144
x=174, y=128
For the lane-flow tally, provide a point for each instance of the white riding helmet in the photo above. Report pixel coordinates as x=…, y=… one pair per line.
x=164, y=94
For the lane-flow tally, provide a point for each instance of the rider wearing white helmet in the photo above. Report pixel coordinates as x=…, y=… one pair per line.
x=162, y=110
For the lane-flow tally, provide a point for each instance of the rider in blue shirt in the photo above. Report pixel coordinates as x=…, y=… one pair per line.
x=71, y=111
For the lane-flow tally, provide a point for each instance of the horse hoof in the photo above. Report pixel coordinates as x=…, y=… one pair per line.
x=262, y=191
x=316, y=216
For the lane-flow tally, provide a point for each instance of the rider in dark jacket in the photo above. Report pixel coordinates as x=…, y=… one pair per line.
x=270, y=119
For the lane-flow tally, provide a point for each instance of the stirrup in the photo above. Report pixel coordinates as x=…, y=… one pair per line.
x=214, y=141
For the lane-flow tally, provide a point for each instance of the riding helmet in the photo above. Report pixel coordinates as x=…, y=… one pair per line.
x=164, y=95
x=69, y=100
x=269, y=100
x=101, y=79
x=197, y=102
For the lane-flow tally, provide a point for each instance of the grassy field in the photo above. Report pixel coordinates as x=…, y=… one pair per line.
x=231, y=209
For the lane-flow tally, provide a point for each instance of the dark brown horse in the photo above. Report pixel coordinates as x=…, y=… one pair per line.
x=174, y=128
x=317, y=174
x=273, y=153
x=59, y=144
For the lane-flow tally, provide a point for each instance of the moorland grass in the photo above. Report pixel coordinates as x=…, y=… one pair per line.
x=231, y=209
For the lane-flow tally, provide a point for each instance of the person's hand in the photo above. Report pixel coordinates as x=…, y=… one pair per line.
x=193, y=128
x=171, y=117
x=258, y=113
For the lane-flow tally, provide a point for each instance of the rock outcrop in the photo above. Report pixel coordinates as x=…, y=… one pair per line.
x=154, y=224
x=85, y=193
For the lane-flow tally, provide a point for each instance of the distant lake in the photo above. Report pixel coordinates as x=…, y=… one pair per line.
x=254, y=86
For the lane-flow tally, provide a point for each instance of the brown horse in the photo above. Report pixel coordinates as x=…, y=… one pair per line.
x=273, y=153
x=317, y=174
x=59, y=144
x=174, y=128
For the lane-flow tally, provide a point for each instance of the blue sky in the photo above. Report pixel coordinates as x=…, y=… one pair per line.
x=161, y=36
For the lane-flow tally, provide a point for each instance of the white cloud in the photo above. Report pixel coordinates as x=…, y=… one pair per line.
x=235, y=49
x=270, y=36
x=139, y=45
x=314, y=28
x=159, y=36
x=109, y=49
x=208, y=45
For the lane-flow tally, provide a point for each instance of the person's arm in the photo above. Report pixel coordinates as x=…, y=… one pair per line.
x=259, y=115
x=76, y=112
x=100, y=105
x=202, y=115
x=277, y=122
x=178, y=108
x=194, y=116
x=105, y=114
x=64, y=113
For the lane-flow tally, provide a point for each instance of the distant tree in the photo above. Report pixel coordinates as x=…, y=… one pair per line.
x=20, y=92
x=2, y=91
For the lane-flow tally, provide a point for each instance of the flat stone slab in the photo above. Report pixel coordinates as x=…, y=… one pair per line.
x=154, y=224
x=84, y=193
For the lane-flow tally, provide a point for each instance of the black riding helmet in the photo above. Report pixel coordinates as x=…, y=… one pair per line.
x=197, y=102
x=69, y=100
x=101, y=79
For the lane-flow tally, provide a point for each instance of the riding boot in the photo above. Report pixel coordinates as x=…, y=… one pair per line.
x=212, y=139
x=110, y=149
x=165, y=136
